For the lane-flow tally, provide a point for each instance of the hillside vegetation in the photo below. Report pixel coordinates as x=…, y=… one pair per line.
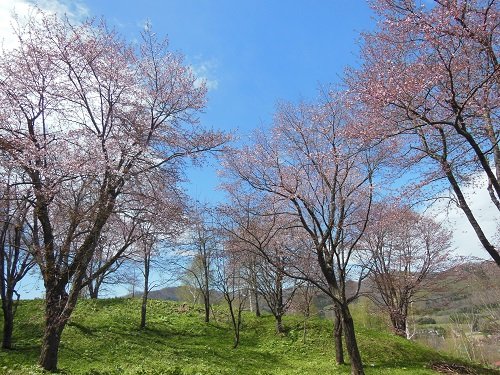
x=103, y=338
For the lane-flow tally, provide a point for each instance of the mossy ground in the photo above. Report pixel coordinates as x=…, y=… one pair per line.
x=103, y=338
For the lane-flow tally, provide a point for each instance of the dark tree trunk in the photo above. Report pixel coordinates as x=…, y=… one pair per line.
x=144, y=300
x=8, y=309
x=8, y=326
x=257, y=306
x=235, y=321
x=398, y=321
x=350, y=341
x=50, y=347
x=206, y=293
x=206, y=300
x=147, y=266
x=93, y=288
x=237, y=332
x=490, y=248
x=279, y=324
x=337, y=337
x=279, y=307
x=55, y=321
x=144, y=309
x=235, y=316
x=94, y=294
x=304, y=331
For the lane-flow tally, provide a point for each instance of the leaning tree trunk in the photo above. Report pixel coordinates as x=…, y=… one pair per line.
x=490, y=248
x=337, y=336
x=235, y=321
x=350, y=341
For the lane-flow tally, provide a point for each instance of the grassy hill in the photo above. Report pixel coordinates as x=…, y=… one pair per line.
x=103, y=338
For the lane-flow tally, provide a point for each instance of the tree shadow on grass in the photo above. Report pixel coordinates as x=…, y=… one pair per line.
x=211, y=347
x=85, y=330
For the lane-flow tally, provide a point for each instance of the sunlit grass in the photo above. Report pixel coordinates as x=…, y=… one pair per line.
x=103, y=337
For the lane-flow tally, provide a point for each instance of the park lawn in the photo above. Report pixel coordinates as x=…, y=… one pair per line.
x=103, y=338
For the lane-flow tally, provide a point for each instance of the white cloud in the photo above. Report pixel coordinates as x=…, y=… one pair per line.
x=464, y=238
x=204, y=72
x=75, y=10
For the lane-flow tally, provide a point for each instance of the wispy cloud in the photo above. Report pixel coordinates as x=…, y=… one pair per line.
x=205, y=72
x=75, y=10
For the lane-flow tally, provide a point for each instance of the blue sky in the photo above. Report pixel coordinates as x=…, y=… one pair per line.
x=252, y=53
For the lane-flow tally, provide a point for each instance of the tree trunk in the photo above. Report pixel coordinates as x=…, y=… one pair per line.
x=234, y=322
x=279, y=307
x=206, y=300
x=93, y=290
x=304, y=331
x=470, y=216
x=144, y=309
x=55, y=322
x=94, y=287
x=50, y=347
x=8, y=327
x=398, y=321
x=93, y=294
x=337, y=336
x=8, y=315
x=279, y=324
x=350, y=341
x=206, y=287
x=144, y=302
x=238, y=330
x=147, y=263
x=257, y=306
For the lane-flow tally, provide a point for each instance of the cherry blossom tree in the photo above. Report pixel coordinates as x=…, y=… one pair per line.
x=324, y=179
x=231, y=283
x=85, y=115
x=254, y=236
x=405, y=250
x=161, y=217
x=303, y=302
x=117, y=244
x=114, y=246
x=254, y=228
x=430, y=76
x=201, y=248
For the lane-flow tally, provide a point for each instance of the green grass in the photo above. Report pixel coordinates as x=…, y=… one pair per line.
x=103, y=338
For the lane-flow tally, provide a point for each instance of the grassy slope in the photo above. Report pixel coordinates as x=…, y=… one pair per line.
x=103, y=338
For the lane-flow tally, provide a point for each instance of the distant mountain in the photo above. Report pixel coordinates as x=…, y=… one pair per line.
x=180, y=293
x=457, y=290
x=168, y=293
x=463, y=289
